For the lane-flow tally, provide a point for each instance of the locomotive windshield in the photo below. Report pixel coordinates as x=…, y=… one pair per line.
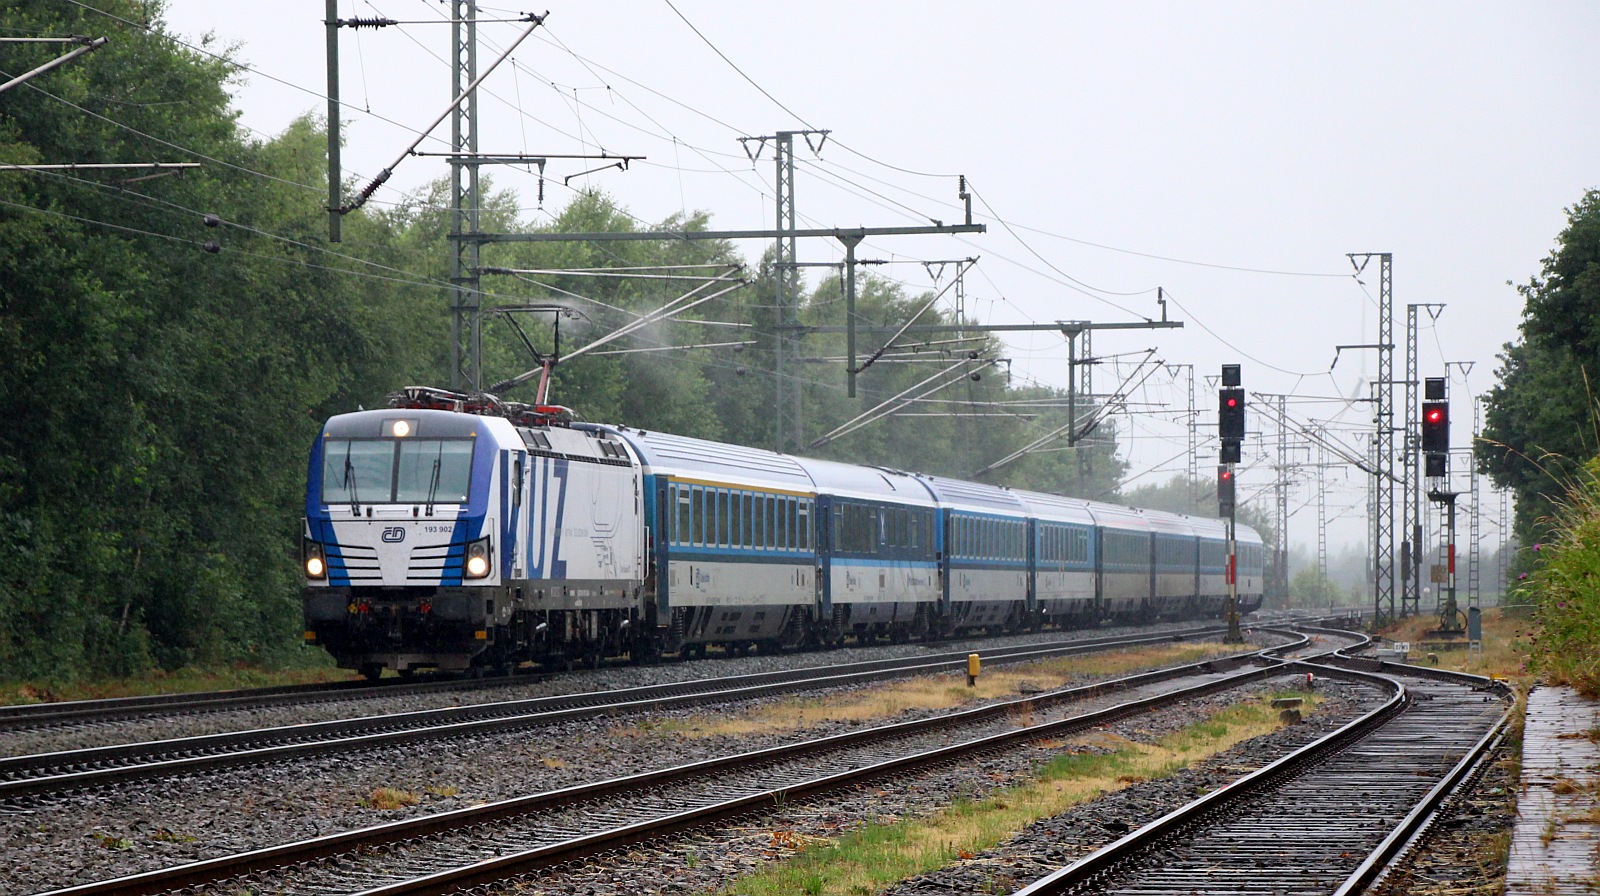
x=395, y=471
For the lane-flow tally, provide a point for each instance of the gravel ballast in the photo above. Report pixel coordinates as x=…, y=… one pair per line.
x=137, y=827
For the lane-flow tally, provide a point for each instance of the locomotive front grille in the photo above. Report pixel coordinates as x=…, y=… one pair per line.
x=358, y=562
x=429, y=561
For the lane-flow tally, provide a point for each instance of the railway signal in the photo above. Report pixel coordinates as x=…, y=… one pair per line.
x=1435, y=427
x=1230, y=427
x=1230, y=414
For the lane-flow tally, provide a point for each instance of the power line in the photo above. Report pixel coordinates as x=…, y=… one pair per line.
x=736, y=68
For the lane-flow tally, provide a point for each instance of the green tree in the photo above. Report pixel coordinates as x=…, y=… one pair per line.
x=1541, y=424
x=160, y=396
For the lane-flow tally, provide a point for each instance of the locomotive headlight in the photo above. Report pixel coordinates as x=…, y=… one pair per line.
x=316, y=563
x=477, y=562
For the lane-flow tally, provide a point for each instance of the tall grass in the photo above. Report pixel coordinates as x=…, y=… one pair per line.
x=1566, y=587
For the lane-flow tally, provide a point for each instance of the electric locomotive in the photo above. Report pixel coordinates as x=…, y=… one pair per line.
x=456, y=532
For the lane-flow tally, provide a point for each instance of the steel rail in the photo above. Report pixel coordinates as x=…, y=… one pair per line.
x=1096, y=871
x=225, y=868
x=1417, y=823
x=34, y=715
x=32, y=776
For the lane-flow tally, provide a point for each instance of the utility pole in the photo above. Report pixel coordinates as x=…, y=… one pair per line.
x=1194, y=437
x=1411, y=516
x=1505, y=545
x=1322, y=510
x=787, y=402
x=1194, y=444
x=1382, y=599
x=1280, y=560
x=1476, y=534
x=335, y=171
x=466, y=331
x=1384, y=479
x=1411, y=529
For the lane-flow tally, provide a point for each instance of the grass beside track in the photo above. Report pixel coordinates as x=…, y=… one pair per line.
x=929, y=692
x=1507, y=639
x=180, y=681
x=866, y=860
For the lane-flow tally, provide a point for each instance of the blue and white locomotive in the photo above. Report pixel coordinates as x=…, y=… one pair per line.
x=459, y=532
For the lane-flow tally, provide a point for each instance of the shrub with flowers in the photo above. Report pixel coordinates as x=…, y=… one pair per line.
x=1566, y=588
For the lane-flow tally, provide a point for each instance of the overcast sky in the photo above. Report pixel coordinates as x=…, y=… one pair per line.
x=1229, y=153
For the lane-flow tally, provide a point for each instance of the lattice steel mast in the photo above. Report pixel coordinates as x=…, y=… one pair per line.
x=466, y=345
x=1383, y=572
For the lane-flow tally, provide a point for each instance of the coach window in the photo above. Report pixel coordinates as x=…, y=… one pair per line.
x=697, y=517
x=758, y=521
x=736, y=519
x=720, y=529
x=748, y=512
x=794, y=523
x=773, y=541
x=804, y=517
x=682, y=535
x=786, y=536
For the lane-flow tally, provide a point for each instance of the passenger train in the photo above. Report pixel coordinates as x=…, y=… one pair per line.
x=461, y=532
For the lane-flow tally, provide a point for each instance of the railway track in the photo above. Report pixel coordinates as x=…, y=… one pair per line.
x=1328, y=819
x=471, y=847
x=29, y=779
x=24, y=716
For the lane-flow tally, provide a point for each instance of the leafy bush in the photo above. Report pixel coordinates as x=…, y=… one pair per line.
x=1566, y=587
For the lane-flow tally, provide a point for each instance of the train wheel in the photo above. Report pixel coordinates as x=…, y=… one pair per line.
x=372, y=671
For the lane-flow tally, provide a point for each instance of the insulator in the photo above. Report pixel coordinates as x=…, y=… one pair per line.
x=376, y=22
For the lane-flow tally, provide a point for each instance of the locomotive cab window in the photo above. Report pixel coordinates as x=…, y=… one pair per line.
x=393, y=471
